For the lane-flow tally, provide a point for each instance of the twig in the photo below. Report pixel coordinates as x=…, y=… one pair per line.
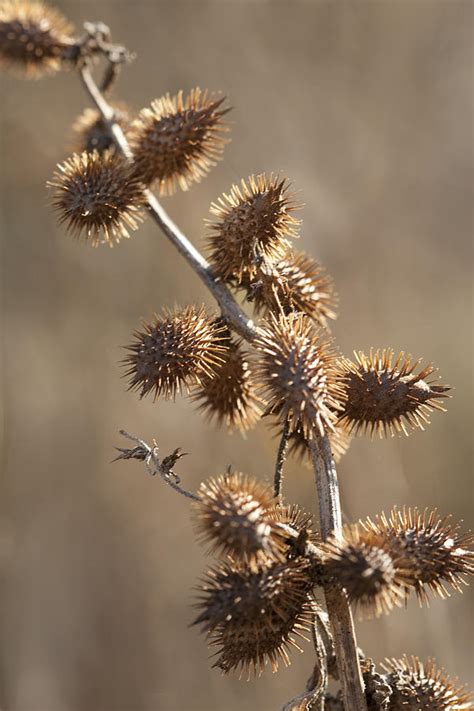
x=322, y=621
x=321, y=684
x=96, y=42
x=280, y=461
x=337, y=604
x=144, y=453
x=326, y=478
x=313, y=695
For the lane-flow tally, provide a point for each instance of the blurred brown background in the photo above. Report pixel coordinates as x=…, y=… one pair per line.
x=367, y=106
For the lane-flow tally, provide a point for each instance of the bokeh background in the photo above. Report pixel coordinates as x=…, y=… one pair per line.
x=367, y=107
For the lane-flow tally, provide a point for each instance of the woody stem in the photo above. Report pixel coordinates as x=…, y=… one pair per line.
x=339, y=612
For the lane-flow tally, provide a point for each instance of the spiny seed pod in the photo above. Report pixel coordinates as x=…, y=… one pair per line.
x=98, y=197
x=423, y=687
x=230, y=396
x=297, y=370
x=429, y=552
x=360, y=561
x=299, y=521
x=252, y=223
x=385, y=396
x=92, y=134
x=339, y=440
x=252, y=613
x=295, y=283
x=177, y=350
x=177, y=141
x=33, y=38
x=294, y=516
x=235, y=515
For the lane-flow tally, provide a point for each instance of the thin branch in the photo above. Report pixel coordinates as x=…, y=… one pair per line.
x=313, y=695
x=281, y=458
x=323, y=628
x=164, y=467
x=231, y=311
x=321, y=682
x=96, y=42
x=340, y=616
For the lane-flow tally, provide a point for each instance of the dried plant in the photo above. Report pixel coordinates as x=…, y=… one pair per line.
x=235, y=514
x=252, y=223
x=33, y=38
x=271, y=559
x=415, y=685
x=430, y=551
x=177, y=141
x=298, y=371
x=253, y=612
x=98, y=196
x=362, y=563
x=230, y=396
x=295, y=283
x=178, y=350
x=385, y=397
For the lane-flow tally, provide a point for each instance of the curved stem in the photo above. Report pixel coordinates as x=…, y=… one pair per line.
x=164, y=467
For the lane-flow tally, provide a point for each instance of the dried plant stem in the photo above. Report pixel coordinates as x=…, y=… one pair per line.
x=337, y=604
x=321, y=667
x=280, y=461
x=314, y=693
x=326, y=477
x=164, y=467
